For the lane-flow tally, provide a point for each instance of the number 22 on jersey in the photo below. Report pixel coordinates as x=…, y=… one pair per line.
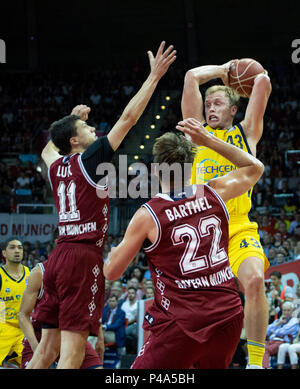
x=189, y=262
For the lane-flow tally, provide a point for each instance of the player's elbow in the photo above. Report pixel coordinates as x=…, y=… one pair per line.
x=129, y=118
x=110, y=273
x=257, y=171
x=263, y=81
x=190, y=77
x=22, y=317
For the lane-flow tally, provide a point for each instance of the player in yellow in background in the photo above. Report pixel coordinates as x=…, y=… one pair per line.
x=13, y=277
x=246, y=255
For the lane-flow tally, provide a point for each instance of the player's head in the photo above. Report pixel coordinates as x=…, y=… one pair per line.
x=172, y=149
x=71, y=134
x=220, y=106
x=13, y=250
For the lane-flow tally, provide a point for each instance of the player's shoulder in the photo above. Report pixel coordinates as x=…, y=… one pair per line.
x=26, y=269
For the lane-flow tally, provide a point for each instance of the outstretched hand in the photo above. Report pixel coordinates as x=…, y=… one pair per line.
x=82, y=111
x=195, y=130
x=162, y=60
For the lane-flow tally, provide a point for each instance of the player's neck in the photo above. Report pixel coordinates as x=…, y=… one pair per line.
x=78, y=149
x=167, y=188
x=14, y=269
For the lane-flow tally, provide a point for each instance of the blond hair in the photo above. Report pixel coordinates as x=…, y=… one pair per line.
x=232, y=95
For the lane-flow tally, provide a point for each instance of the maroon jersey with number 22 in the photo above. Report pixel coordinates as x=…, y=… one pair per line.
x=194, y=284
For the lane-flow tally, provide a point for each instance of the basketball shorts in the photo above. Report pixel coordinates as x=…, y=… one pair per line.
x=91, y=359
x=244, y=242
x=73, y=288
x=11, y=344
x=172, y=349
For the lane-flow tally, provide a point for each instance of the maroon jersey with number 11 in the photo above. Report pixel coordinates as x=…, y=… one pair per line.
x=82, y=205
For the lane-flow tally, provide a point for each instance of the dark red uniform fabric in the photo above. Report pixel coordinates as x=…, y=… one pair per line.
x=82, y=205
x=74, y=291
x=91, y=358
x=195, y=291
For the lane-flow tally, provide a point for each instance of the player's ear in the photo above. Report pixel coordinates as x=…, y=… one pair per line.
x=74, y=141
x=233, y=110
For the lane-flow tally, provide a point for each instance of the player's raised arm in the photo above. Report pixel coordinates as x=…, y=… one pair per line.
x=239, y=181
x=50, y=153
x=253, y=121
x=140, y=227
x=159, y=66
x=191, y=101
x=29, y=299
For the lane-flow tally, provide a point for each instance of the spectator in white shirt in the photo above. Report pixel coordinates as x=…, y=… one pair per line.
x=130, y=308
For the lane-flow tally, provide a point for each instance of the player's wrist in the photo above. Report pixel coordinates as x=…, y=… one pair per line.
x=153, y=78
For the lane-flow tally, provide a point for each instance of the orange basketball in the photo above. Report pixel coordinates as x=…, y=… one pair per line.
x=242, y=73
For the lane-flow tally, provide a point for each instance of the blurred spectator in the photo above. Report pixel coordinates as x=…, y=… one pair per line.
x=149, y=292
x=282, y=229
x=272, y=256
x=113, y=324
x=292, y=350
x=297, y=250
x=267, y=242
x=267, y=225
x=137, y=273
x=282, y=330
x=278, y=294
x=280, y=257
x=277, y=240
x=293, y=180
x=116, y=290
x=296, y=235
x=294, y=223
x=286, y=244
x=130, y=308
x=39, y=249
x=23, y=181
x=135, y=283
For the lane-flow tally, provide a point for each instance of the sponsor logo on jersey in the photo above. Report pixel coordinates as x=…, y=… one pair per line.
x=208, y=169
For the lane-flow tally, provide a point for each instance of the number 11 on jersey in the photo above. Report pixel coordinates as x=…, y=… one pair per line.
x=73, y=214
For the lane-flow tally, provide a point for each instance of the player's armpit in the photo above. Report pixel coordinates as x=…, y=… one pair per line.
x=121, y=256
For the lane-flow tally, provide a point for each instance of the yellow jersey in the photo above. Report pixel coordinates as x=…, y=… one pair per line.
x=208, y=164
x=11, y=292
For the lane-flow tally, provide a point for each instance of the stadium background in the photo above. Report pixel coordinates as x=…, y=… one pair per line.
x=59, y=54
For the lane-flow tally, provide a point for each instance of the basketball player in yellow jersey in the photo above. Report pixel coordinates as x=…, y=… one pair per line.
x=13, y=277
x=246, y=255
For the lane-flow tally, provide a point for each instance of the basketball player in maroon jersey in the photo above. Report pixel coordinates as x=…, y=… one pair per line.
x=74, y=282
x=32, y=327
x=196, y=317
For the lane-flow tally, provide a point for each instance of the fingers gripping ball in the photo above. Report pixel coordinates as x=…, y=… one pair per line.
x=242, y=73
